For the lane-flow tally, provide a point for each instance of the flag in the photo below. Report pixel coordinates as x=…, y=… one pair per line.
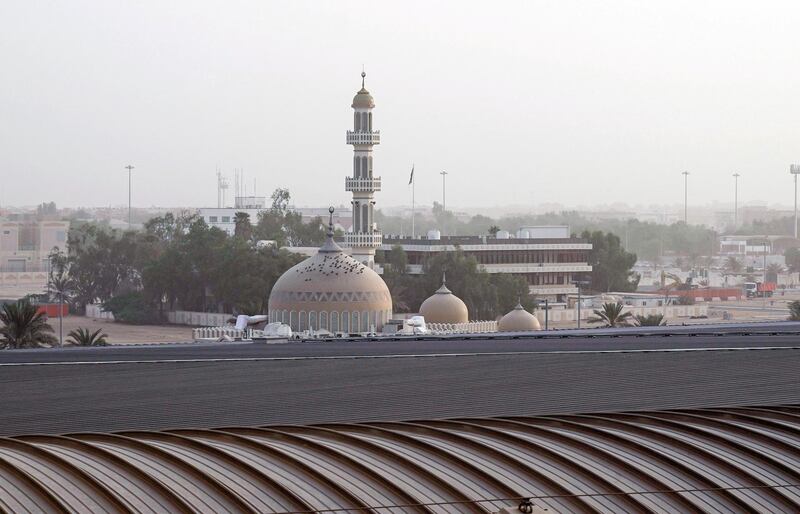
x=411, y=178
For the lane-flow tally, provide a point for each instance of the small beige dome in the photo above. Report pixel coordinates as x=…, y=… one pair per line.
x=363, y=100
x=518, y=320
x=444, y=307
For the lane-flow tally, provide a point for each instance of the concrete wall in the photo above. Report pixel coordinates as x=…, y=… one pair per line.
x=670, y=313
x=200, y=319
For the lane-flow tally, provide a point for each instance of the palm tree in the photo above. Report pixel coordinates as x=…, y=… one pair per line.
x=611, y=315
x=62, y=287
x=651, y=320
x=24, y=327
x=733, y=265
x=82, y=337
x=794, y=310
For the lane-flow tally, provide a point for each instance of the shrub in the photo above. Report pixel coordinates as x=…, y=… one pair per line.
x=131, y=308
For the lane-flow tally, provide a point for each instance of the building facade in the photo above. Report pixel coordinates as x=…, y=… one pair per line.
x=550, y=266
x=25, y=246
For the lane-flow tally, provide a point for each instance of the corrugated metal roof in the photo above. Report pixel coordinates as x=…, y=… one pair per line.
x=705, y=460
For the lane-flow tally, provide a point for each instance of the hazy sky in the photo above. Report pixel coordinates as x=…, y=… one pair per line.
x=570, y=102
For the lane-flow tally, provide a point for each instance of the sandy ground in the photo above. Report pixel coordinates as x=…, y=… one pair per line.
x=119, y=333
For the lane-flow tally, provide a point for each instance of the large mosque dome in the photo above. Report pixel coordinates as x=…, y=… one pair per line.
x=331, y=291
x=444, y=307
x=518, y=320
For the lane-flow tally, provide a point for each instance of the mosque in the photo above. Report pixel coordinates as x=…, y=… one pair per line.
x=336, y=292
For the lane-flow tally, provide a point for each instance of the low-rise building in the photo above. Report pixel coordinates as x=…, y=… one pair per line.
x=548, y=258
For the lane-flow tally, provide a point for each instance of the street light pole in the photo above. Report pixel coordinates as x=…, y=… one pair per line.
x=444, y=176
x=794, y=169
x=129, y=168
x=579, y=283
x=736, y=200
x=685, y=197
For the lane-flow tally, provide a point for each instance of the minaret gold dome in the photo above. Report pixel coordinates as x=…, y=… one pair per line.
x=363, y=99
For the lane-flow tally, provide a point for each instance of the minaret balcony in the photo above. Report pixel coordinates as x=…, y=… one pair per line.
x=362, y=185
x=372, y=239
x=363, y=137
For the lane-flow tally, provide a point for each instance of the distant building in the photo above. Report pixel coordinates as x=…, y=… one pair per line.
x=25, y=245
x=548, y=258
x=224, y=217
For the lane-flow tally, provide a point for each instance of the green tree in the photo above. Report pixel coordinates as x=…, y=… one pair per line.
x=732, y=265
x=794, y=310
x=651, y=320
x=486, y=296
x=493, y=230
x=611, y=315
x=611, y=264
x=131, y=308
x=243, y=228
x=24, y=327
x=84, y=337
x=792, y=256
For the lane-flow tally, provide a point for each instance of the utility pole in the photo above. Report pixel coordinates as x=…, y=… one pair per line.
x=129, y=168
x=794, y=169
x=685, y=197
x=444, y=176
x=444, y=197
x=736, y=200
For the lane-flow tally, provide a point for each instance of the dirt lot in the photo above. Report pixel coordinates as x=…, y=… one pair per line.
x=119, y=333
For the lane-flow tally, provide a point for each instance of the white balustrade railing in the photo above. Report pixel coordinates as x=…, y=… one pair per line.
x=373, y=239
x=362, y=184
x=219, y=333
x=363, y=137
x=471, y=327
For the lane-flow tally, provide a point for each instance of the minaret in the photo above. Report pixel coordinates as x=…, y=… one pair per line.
x=364, y=238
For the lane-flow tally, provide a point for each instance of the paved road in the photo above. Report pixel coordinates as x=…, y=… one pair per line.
x=64, y=398
x=732, y=336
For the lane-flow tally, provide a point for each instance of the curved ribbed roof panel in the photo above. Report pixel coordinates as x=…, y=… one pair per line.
x=704, y=460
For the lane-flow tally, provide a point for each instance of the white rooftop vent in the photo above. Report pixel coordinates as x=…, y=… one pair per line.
x=502, y=234
x=434, y=234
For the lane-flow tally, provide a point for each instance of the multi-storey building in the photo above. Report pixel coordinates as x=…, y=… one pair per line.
x=548, y=259
x=25, y=245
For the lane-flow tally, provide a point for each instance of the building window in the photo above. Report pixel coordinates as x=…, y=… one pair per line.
x=312, y=321
x=303, y=325
x=212, y=219
x=293, y=321
x=323, y=320
x=334, y=322
x=226, y=219
x=61, y=236
x=354, y=321
x=345, y=323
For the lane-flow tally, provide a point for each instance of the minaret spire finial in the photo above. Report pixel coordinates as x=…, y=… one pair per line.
x=363, y=76
x=330, y=221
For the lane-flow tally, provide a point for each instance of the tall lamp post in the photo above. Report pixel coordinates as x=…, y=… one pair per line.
x=580, y=283
x=444, y=197
x=736, y=200
x=130, y=169
x=794, y=169
x=685, y=197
